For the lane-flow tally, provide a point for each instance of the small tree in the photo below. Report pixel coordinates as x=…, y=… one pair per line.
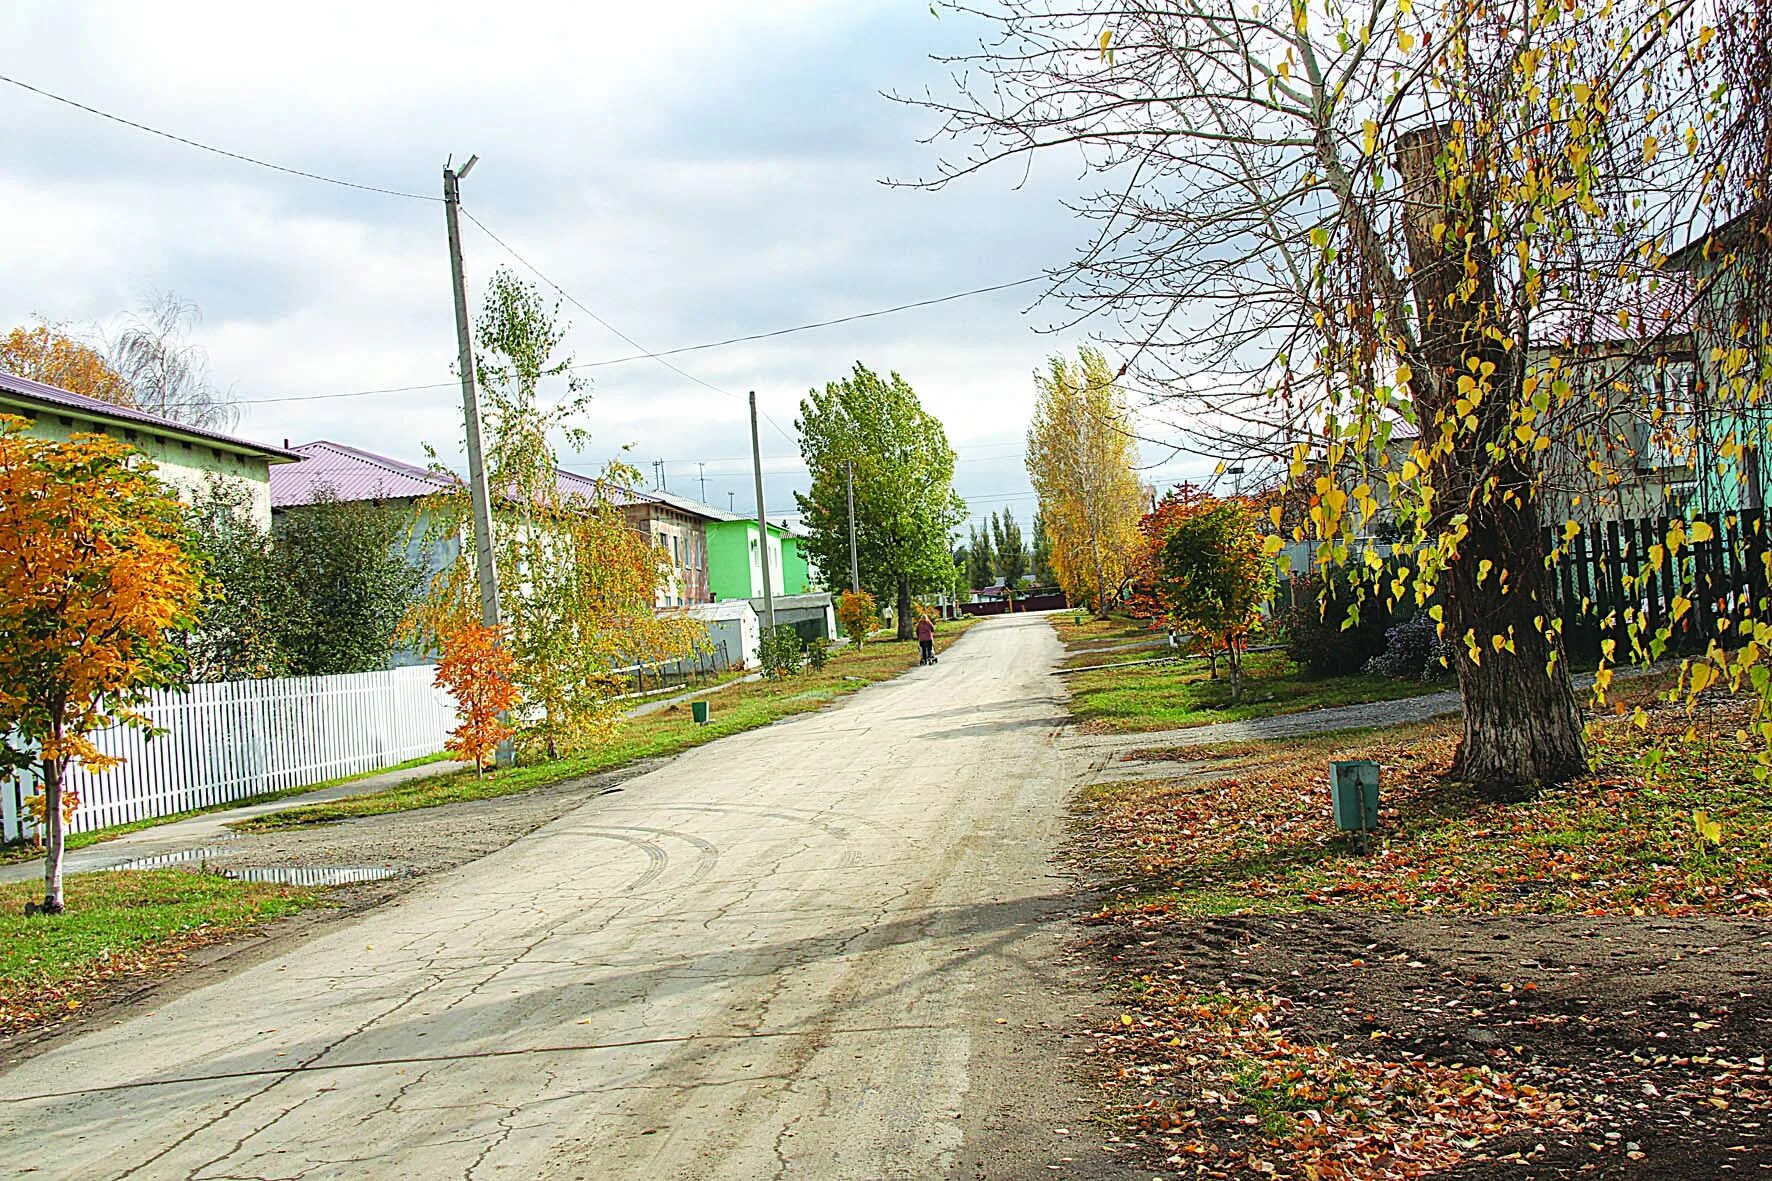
x=350, y=583
x=981, y=559
x=1080, y=459
x=1213, y=578
x=781, y=652
x=577, y=585
x=1042, y=556
x=857, y=615
x=247, y=601
x=98, y=572
x=476, y=668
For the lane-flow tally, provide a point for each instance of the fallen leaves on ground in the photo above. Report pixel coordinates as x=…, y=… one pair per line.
x=1212, y=1063
x=1619, y=839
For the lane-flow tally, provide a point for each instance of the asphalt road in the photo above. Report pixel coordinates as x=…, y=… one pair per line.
x=817, y=950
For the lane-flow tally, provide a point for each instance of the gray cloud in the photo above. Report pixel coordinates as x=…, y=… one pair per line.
x=690, y=175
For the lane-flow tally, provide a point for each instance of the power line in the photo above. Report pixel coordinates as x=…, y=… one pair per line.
x=200, y=146
x=903, y=307
x=641, y=356
x=580, y=305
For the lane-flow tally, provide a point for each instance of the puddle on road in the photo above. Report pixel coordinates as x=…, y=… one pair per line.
x=162, y=860
x=281, y=875
x=313, y=875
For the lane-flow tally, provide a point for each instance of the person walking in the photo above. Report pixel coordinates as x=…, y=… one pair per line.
x=926, y=639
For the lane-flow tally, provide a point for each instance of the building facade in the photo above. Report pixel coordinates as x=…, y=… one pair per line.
x=679, y=526
x=186, y=457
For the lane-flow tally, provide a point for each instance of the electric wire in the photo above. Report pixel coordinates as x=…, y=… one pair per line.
x=200, y=146
x=581, y=306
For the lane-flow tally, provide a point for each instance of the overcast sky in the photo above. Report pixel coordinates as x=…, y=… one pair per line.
x=689, y=173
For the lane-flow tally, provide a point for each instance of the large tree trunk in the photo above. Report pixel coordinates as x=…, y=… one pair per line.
x=55, y=841
x=1522, y=722
x=904, y=607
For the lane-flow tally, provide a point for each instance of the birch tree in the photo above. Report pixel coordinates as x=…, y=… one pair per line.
x=577, y=585
x=1080, y=457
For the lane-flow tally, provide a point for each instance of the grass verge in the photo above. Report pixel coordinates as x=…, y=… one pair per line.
x=15, y=851
x=667, y=732
x=1092, y=631
x=1171, y=696
x=118, y=925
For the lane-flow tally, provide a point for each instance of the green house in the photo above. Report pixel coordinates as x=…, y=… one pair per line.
x=735, y=563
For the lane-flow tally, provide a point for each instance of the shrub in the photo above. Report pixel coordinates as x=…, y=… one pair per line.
x=818, y=651
x=857, y=615
x=1413, y=650
x=1315, y=636
x=780, y=652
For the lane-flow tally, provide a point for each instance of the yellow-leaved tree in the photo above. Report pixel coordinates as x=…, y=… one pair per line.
x=49, y=353
x=1080, y=456
x=577, y=584
x=1489, y=280
x=98, y=575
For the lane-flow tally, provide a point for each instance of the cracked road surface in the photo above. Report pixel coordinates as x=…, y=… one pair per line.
x=807, y=951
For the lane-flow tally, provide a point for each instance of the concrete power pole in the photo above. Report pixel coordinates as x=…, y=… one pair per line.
x=485, y=571
x=854, y=566
x=762, y=520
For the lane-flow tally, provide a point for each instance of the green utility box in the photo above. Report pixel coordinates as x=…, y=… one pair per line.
x=699, y=710
x=1353, y=786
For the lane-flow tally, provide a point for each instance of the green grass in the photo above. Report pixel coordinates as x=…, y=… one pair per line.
x=1116, y=628
x=117, y=925
x=16, y=851
x=1170, y=696
x=666, y=732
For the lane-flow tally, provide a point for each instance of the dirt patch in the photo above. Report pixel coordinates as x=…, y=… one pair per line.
x=423, y=840
x=1653, y=1032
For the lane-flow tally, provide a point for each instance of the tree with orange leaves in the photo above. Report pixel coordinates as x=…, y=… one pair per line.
x=98, y=574
x=477, y=669
x=48, y=353
x=1154, y=528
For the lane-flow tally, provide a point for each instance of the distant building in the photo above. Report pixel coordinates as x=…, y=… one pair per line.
x=186, y=457
x=680, y=526
x=735, y=564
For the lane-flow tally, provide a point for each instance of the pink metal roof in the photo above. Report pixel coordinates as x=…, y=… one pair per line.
x=349, y=473
x=54, y=396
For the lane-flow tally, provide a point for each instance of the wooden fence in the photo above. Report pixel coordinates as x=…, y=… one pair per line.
x=1606, y=574
x=228, y=741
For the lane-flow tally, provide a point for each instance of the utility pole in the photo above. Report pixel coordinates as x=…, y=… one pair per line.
x=854, y=566
x=701, y=473
x=762, y=520
x=485, y=571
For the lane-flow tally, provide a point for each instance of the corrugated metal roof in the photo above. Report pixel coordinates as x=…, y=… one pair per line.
x=725, y=609
x=684, y=504
x=350, y=473
x=41, y=393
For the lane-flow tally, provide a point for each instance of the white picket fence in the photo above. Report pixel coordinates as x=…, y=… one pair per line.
x=235, y=739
